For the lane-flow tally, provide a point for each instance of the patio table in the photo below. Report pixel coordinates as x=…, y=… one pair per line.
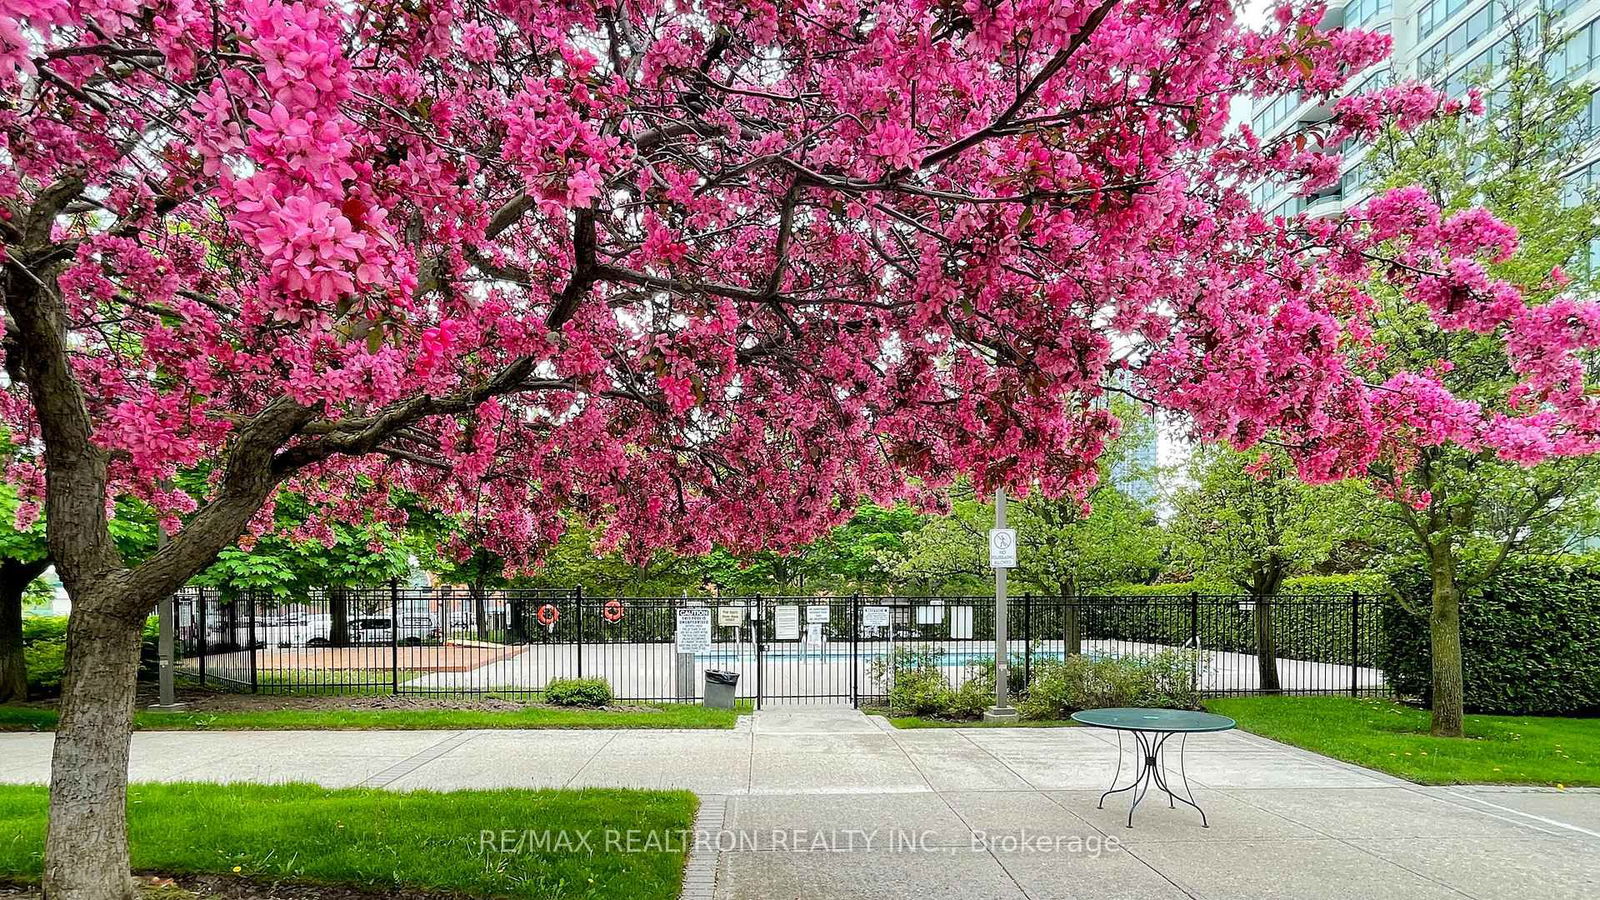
x=1151, y=729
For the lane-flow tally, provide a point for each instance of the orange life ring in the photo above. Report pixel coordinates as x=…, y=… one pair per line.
x=547, y=615
x=613, y=611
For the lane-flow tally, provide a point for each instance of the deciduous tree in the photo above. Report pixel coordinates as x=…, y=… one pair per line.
x=1495, y=464
x=716, y=271
x=1247, y=518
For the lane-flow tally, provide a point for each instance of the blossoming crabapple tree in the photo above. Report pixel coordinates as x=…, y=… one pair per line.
x=713, y=269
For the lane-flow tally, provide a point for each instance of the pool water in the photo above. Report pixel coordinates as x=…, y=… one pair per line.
x=944, y=660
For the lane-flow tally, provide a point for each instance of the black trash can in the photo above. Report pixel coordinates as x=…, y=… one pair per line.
x=720, y=687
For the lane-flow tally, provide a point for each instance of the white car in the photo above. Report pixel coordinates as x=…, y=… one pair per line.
x=414, y=629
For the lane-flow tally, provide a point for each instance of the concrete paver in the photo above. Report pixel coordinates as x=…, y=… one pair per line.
x=823, y=803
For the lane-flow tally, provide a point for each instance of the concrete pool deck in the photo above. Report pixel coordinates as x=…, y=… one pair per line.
x=824, y=802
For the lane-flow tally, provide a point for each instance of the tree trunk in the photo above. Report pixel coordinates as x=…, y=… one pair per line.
x=87, y=844
x=1444, y=626
x=480, y=610
x=1266, y=645
x=338, y=616
x=15, y=576
x=1264, y=586
x=1071, y=622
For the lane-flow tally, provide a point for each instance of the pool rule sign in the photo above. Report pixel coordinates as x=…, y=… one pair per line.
x=694, y=629
x=1002, y=556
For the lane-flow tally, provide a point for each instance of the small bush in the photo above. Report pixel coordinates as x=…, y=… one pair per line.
x=920, y=692
x=44, y=652
x=46, y=662
x=1062, y=687
x=591, y=692
x=975, y=695
x=912, y=682
x=43, y=629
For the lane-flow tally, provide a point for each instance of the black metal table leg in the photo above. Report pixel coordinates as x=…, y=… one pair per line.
x=1150, y=763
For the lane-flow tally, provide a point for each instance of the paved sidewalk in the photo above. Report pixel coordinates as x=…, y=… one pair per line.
x=820, y=803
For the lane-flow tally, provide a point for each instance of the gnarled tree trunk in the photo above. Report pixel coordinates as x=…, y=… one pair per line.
x=88, y=837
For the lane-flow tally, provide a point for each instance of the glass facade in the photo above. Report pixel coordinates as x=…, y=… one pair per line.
x=1459, y=43
x=1357, y=13
x=1432, y=16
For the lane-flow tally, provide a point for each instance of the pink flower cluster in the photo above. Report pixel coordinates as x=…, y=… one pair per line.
x=716, y=272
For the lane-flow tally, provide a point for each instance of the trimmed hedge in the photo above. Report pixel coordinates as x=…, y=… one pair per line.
x=1299, y=585
x=1530, y=641
x=1311, y=616
x=44, y=652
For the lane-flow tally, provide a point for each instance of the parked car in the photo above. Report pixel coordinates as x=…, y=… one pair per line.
x=414, y=629
x=318, y=631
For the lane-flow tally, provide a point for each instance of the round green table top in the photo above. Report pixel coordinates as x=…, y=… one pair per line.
x=1136, y=719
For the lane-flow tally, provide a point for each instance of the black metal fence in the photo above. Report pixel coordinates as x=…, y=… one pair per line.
x=785, y=649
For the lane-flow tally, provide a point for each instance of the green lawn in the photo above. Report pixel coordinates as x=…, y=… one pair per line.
x=666, y=715
x=1393, y=738
x=381, y=840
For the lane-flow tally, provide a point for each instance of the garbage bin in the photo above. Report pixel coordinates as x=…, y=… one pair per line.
x=720, y=688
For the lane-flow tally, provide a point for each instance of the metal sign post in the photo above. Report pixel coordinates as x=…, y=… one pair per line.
x=1002, y=556
x=166, y=609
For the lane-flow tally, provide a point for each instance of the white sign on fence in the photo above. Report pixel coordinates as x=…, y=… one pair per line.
x=814, y=634
x=694, y=629
x=875, y=616
x=1002, y=548
x=931, y=614
x=786, y=623
x=816, y=614
x=730, y=616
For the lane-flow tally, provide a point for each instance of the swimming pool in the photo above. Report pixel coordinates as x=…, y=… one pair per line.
x=946, y=659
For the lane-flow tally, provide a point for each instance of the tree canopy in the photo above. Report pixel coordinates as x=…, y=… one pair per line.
x=691, y=273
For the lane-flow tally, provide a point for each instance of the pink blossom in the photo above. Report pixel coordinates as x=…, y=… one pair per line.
x=895, y=144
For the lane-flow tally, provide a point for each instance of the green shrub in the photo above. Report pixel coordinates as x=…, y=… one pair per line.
x=44, y=652
x=1299, y=585
x=1530, y=640
x=44, y=629
x=591, y=692
x=46, y=661
x=975, y=695
x=1062, y=687
x=911, y=681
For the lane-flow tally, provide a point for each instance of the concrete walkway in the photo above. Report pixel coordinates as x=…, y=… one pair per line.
x=821, y=803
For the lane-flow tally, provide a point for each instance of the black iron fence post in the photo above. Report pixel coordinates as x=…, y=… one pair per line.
x=1194, y=619
x=201, y=637
x=394, y=636
x=761, y=622
x=577, y=596
x=855, y=651
x=1355, y=642
x=251, y=637
x=1027, y=639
